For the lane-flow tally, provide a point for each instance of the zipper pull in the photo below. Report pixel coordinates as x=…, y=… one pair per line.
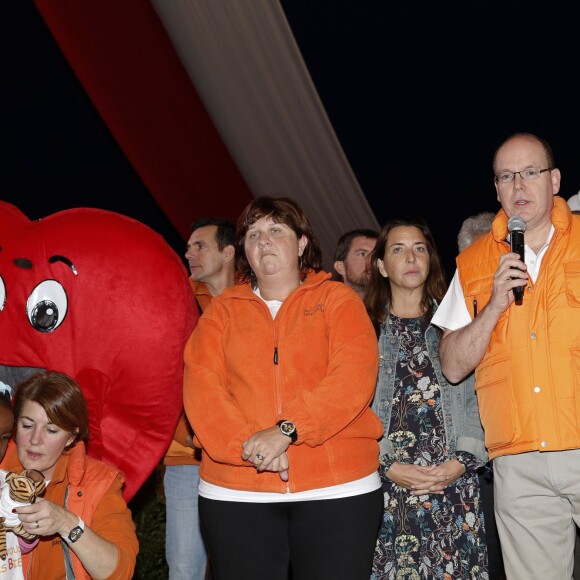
x=275, y=355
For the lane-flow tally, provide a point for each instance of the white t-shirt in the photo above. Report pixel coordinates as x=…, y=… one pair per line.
x=452, y=313
x=11, y=568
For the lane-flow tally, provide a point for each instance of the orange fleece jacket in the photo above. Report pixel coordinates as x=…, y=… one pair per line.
x=315, y=364
x=179, y=453
x=94, y=494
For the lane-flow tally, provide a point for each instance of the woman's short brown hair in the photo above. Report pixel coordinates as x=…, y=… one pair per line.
x=60, y=397
x=283, y=210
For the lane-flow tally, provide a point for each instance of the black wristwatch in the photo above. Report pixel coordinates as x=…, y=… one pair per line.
x=75, y=533
x=288, y=428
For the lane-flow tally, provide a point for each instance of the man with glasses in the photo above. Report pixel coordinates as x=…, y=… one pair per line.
x=526, y=358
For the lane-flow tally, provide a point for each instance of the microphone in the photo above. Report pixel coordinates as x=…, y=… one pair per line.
x=516, y=227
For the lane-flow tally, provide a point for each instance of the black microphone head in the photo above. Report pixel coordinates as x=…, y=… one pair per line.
x=516, y=223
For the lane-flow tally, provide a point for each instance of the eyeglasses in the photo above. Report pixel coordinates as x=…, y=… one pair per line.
x=526, y=174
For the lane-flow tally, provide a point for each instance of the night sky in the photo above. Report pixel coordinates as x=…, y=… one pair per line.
x=58, y=152
x=419, y=98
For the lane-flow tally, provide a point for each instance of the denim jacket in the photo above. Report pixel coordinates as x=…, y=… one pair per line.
x=459, y=402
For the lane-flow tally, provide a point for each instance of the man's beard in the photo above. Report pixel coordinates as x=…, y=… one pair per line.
x=361, y=282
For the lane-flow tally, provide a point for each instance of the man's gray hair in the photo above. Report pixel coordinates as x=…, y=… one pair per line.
x=473, y=228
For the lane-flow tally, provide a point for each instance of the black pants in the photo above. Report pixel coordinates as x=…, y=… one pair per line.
x=333, y=538
x=496, y=570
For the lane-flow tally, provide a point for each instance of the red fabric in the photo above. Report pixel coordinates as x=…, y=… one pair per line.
x=128, y=315
x=126, y=63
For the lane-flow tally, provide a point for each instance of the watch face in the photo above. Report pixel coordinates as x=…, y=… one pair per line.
x=75, y=534
x=287, y=427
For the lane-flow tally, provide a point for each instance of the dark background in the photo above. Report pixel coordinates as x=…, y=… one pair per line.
x=419, y=96
x=58, y=153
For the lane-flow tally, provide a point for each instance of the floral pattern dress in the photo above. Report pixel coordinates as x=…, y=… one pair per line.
x=429, y=536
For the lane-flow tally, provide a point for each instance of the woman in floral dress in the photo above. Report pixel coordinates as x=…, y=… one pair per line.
x=433, y=441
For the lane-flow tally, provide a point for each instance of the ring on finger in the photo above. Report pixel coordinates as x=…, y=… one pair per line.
x=37, y=525
x=259, y=457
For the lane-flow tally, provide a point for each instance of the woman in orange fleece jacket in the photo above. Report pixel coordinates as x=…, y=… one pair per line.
x=280, y=372
x=82, y=520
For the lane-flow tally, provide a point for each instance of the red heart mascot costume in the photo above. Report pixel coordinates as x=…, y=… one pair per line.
x=104, y=299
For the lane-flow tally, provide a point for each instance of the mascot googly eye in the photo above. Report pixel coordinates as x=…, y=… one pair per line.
x=46, y=306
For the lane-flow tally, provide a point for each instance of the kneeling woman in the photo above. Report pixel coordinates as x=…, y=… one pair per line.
x=83, y=522
x=433, y=445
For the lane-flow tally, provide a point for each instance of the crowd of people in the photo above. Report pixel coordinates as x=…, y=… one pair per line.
x=378, y=423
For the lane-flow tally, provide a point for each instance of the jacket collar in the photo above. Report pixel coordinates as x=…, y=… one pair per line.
x=384, y=323
x=199, y=288
x=71, y=465
x=561, y=217
x=245, y=289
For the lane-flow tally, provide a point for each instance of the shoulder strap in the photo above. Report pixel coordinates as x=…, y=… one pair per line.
x=68, y=565
x=70, y=573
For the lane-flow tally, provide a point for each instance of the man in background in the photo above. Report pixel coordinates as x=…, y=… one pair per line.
x=351, y=258
x=473, y=228
x=574, y=202
x=210, y=256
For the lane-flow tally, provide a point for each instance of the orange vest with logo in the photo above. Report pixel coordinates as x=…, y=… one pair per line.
x=528, y=382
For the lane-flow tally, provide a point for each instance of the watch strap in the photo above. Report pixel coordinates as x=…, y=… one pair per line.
x=75, y=533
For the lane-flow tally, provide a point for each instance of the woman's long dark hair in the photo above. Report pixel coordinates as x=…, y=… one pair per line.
x=379, y=297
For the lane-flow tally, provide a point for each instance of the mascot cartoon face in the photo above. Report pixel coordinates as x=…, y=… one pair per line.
x=104, y=299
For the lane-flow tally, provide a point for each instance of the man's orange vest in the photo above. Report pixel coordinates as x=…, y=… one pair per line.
x=528, y=382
